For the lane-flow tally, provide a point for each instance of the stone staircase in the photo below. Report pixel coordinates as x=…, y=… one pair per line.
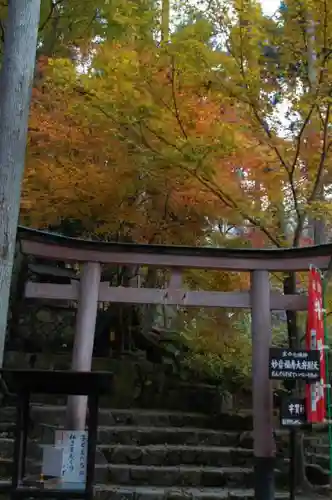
x=156, y=455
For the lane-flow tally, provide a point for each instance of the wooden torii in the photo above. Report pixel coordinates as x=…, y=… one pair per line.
x=90, y=290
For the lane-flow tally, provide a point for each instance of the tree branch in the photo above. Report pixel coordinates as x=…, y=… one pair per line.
x=299, y=137
x=176, y=109
x=323, y=156
x=318, y=181
x=54, y=5
x=218, y=192
x=2, y=32
x=325, y=24
x=255, y=222
x=289, y=171
x=267, y=131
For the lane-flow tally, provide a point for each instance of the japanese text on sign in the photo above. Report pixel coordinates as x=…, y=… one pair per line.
x=296, y=409
x=315, y=339
x=75, y=455
x=292, y=411
x=286, y=364
x=83, y=456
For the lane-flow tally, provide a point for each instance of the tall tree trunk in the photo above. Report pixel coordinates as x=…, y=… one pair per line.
x=300, y=479
x=316, y=225
x=165, y=20
x=15, y=91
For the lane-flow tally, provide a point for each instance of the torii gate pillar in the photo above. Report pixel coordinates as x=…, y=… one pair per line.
x=264, y=444
x=84, y=339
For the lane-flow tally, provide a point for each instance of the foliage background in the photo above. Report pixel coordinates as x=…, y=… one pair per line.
x=211, y=129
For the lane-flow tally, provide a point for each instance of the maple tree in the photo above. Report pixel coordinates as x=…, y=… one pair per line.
x=96, y=177
x=187, y=141
x=68, y=27
x=236, y=90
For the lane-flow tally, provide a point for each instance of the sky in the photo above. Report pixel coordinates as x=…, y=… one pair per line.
x=270, y=6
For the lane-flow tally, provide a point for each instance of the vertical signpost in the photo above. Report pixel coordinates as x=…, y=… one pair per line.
x=293, y=365
x=310, y=366
x=315, y=339
x=318, y=398
x=328, y=388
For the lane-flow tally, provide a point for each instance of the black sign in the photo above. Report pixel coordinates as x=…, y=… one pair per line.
x=292, y=412
x=286, y=364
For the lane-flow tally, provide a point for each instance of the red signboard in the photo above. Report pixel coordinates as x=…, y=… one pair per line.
x=315, y=339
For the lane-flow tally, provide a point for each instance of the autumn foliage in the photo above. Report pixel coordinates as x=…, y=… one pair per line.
x=220, y=136
x=105, y=157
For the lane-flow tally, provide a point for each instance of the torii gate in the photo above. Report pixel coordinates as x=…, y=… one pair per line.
x=90, y=290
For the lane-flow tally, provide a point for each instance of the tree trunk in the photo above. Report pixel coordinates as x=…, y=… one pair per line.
x=18, y=280
x=15, y=91
x=165, y=20
x=316, y=224
x=300, y=479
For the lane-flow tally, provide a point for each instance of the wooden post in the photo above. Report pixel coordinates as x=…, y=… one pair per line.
x=170, y=312
x=264, y=445
x=175, y=281
x=84, y=339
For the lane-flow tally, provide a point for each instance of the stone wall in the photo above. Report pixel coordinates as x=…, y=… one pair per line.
x=137, y=383
x=40, y=328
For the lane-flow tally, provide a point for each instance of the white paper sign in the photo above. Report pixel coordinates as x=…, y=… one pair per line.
x=52, y=460
x=74, y=445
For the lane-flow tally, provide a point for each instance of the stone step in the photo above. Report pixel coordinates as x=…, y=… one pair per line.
x=5, y=467
x=216, y=456
x=55, y=415
x=176, y=436
x=119, y=492
x=314, y=442
x=171, y=455
x=323, y=460
x=6, y=447
x=145, y=435
x=7, y=429
x=183, y=475
x=142, y=436
x=163, y=454
x=153, y=454
x=117, y=428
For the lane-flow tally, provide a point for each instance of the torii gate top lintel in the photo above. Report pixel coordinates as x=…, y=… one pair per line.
x=53, y=246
